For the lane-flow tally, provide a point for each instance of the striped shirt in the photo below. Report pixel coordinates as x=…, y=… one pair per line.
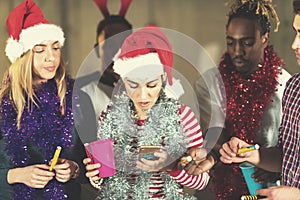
x=289, y=138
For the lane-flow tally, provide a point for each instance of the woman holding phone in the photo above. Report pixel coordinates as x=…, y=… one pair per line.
x=150, y=130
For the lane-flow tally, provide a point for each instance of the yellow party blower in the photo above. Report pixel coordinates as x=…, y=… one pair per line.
x=246, y=149
x=55, y=158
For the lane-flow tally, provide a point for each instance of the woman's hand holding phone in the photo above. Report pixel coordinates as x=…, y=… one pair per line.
x=152, y=159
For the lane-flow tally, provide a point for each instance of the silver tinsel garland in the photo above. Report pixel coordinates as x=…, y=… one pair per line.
x=162, y=127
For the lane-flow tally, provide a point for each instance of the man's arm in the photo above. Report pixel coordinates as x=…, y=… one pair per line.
x=271, y=159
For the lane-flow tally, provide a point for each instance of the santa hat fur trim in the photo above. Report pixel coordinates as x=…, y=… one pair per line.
x=142, y=66
x=146, y=66
x=32, y=36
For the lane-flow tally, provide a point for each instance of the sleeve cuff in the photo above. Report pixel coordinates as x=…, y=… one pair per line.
x=3, y=178
x=174, y=173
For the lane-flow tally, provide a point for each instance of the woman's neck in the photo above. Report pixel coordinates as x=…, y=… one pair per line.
x=141, y=114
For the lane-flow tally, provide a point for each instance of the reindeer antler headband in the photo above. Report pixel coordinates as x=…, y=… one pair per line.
x=102, y=5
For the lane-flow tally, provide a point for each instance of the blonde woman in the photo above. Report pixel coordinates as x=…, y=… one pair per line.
x=36, y=112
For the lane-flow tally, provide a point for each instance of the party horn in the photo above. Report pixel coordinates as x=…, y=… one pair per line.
x=246, y=149
x=55, y=158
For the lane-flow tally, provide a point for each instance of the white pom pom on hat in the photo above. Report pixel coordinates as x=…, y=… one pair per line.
x=13, y=49
x=28, y=27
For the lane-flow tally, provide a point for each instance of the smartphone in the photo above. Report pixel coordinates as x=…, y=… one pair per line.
x=147, y=152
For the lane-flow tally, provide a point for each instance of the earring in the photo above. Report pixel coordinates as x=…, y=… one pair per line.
x=162, y=95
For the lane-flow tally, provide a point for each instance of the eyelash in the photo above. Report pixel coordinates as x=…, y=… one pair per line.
x=244, y=44
x=136, y=86
x=133, y=87
x=151, y=86
x=42, y=50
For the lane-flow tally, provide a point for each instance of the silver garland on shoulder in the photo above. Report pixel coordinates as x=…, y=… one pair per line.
x=162, y=127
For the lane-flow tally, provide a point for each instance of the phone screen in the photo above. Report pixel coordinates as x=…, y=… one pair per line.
x=147, y=152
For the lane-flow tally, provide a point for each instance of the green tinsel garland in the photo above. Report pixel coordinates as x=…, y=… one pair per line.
x=162, y=127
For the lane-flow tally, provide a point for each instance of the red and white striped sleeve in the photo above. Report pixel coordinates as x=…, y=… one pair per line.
x=191, y=127
x=193, y=133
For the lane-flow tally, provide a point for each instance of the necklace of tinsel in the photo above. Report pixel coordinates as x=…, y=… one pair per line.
x=42, y=129
x=246, y=102
x=162, y=127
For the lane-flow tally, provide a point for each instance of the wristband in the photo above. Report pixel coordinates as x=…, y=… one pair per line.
x=215, y=155
x=76, y=171
x=96, y=184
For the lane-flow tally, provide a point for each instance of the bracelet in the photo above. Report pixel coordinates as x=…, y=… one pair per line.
x=215, y=155
x=96, y=184
x=76, y=172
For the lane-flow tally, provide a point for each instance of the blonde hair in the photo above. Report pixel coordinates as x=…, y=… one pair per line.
x=18, y=82
x=263, y=8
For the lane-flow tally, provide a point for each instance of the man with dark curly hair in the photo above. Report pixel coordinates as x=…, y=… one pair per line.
x=253, y=83
x=285, y=156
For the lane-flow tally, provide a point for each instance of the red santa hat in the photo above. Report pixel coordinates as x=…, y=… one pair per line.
x=28, y=27
x=144, y=49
